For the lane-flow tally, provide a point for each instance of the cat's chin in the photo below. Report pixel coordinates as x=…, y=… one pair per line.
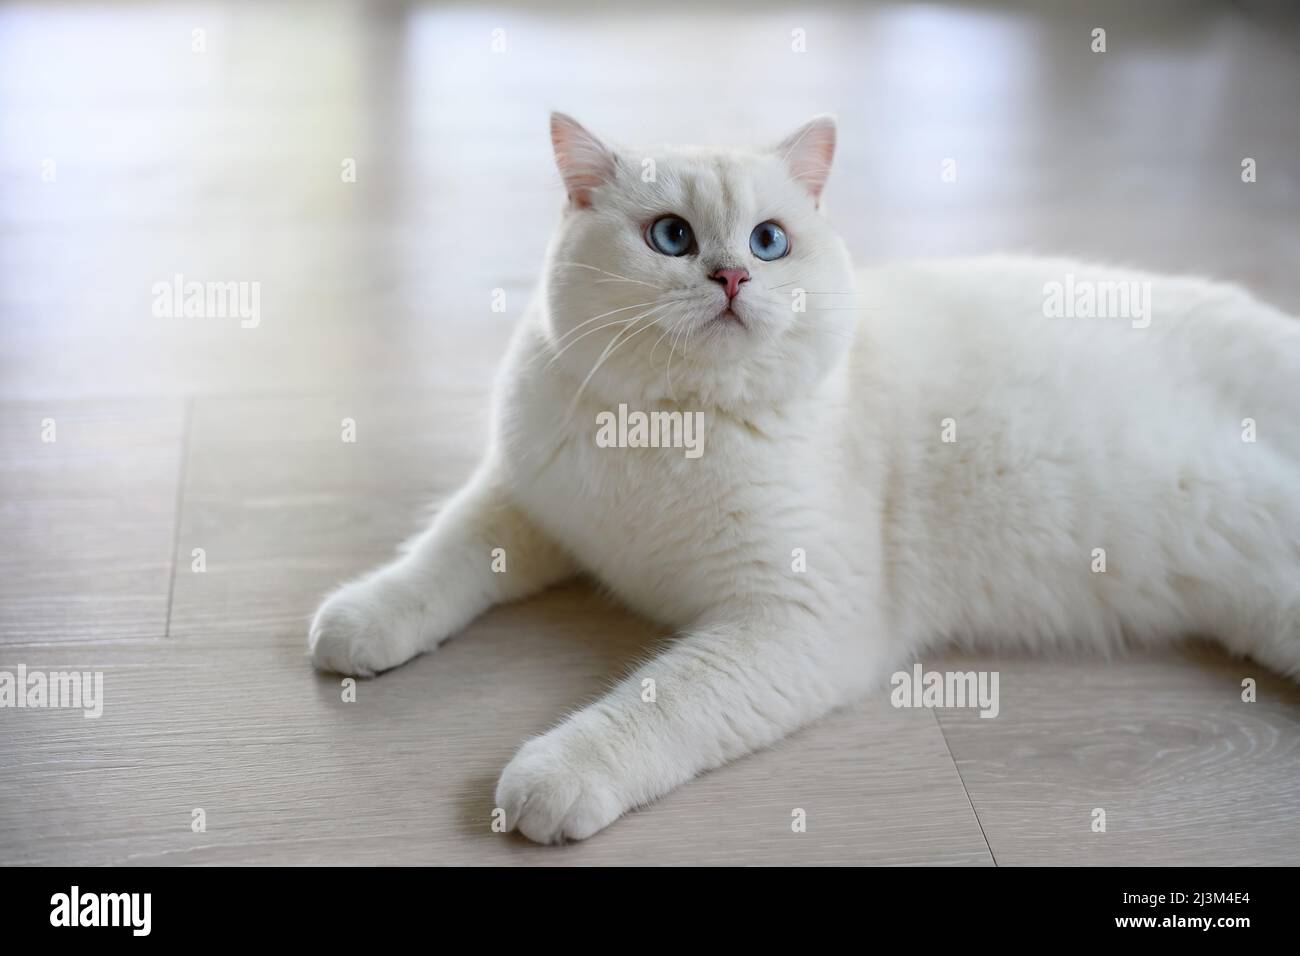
x=728, y=317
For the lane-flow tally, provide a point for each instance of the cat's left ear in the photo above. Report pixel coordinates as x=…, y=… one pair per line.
x=584, y=161
x=808, y=152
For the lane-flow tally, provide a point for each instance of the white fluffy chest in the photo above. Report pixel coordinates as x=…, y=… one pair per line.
x=671, y=532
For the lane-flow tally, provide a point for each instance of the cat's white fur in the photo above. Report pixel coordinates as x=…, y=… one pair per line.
x=824, y=432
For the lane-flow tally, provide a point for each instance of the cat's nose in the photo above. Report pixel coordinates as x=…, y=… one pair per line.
x=731, y=280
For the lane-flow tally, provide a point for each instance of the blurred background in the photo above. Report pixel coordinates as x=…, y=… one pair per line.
x=381, y=170
x=218, y=155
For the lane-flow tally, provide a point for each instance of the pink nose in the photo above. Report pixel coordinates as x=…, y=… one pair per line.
x=731, y=278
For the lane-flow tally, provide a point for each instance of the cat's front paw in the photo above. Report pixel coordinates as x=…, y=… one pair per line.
x=363, y=628
x=556, y=789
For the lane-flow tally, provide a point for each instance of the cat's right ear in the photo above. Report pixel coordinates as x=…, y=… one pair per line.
x=584, y=161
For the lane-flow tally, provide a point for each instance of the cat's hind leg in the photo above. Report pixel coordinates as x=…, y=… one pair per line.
x=481, y=550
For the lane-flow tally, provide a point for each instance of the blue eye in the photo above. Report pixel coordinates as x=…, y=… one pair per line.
x=671, y=235
x=768, y=241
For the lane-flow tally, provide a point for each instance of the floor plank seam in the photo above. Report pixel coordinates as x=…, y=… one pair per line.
x=87, y=644
x=966, y=790
x=187, y=423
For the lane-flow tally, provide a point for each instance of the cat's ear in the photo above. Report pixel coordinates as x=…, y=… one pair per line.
x=808, y=152
x=584, y=161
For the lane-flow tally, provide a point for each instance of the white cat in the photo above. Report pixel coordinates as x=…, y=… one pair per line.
x=1005, y=451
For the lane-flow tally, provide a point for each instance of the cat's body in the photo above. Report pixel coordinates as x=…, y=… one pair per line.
x=932, y=459
x=1131, y=446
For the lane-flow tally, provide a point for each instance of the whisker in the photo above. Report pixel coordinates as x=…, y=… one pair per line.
x=607, y=325
x=626, y=308
x=672, y=349
x=687, y=343
x=612, y=275
x=671, y=326
x=615, y=344
x=811, y=292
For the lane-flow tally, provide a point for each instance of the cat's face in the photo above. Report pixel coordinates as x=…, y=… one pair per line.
x=698, y=275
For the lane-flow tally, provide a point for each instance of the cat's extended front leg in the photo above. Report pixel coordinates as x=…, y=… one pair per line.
x=721, y=691
x=449, y=575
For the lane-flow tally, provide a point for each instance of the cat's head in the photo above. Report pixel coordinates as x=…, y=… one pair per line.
x=702, y=275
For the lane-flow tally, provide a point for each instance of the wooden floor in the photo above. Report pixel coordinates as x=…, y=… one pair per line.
x=177, y=434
